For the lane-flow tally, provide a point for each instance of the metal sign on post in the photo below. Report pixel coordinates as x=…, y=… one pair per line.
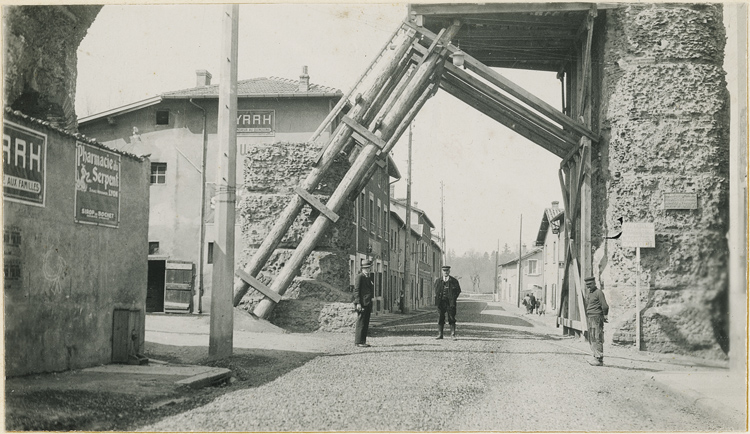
x=638, y=235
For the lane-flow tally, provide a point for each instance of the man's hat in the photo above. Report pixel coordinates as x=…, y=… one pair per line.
x=590, y=279
x=446, y=267
x=366, y=264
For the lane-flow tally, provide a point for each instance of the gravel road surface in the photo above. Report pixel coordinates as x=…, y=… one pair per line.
x=502, y=374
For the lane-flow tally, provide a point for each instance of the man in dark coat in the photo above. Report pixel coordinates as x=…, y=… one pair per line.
x=446, y=293
x=364, y=291
x=596, y=315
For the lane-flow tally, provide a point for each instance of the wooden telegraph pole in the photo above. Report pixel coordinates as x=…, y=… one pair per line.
x=222, y=309
x=520, y=269
x=407, y=240
x=497, y=255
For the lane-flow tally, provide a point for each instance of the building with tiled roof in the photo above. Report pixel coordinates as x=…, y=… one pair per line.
x=177, y=130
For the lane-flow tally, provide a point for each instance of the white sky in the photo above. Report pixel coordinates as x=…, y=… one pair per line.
x=491, y=174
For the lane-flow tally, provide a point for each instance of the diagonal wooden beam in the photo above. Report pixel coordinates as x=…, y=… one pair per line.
x=513, y=89
x=317, y=204
x=513, y=106
x=517, y=124
x=258, y=285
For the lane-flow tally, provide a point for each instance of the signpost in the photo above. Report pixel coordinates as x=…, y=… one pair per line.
x=638, y=235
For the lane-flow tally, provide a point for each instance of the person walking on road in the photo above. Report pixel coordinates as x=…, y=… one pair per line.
x=447, y=290
x=364, y=292
x=596, y=314
x=532, y=304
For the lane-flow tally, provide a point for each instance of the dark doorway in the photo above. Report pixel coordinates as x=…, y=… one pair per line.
x=155, y=291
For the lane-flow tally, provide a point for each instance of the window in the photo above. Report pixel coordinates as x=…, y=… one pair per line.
x=380, y=222
x=362, y=205
x=158, y=173
x=162, y=117
x=372, y=215
x=210, y=255
x=531, y=267
x=153, y=247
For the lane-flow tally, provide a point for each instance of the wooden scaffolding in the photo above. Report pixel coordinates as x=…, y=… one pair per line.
x=409, y=69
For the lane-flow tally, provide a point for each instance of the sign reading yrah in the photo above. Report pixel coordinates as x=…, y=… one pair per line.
x=256, y=122
x=97, y=198
x=24, y=164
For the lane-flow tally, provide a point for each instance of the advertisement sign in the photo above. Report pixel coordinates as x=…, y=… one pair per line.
x=97, y=199
x=256, y=122
x=24, y=164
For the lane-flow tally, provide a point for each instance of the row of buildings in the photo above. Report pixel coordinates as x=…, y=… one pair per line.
x=178, y=132
x=540, y=269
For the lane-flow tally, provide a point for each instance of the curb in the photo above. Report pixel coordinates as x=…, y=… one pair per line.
x=215, y=376
x=675, y=383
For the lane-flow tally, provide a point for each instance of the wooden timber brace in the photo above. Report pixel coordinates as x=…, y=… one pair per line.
x=408, y=74
x=575, y=182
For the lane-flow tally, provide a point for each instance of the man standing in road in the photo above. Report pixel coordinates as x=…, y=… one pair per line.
x=446, y=294
x=596, y=314
x=364, y=291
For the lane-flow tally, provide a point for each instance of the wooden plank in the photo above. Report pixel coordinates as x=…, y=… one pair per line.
x=515, y=123
x=580, y=287
x=516, y=91
x=511, y=105
x=258, y=285
x=364, y=132
x=317, y=204
x=454, y=9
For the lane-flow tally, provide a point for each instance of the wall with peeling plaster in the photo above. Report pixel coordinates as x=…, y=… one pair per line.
x=59, y=313
x=663, y=117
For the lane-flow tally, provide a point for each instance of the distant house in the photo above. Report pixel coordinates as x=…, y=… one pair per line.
x=551, y=238
x=425, y=256
x=532, y=277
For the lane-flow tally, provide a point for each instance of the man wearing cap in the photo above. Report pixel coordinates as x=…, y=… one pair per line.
x=596, y=314
x=446, y=293
x=363, y=293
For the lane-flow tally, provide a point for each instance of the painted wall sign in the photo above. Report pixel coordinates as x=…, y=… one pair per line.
x=256, y=122
x=24, y=164
x=97, y=199
x=638, y=235
x=680, y=200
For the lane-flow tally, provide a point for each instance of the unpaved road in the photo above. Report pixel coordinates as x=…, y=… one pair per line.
x=501, y=375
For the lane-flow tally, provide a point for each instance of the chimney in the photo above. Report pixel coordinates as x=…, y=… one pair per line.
x=555, y=204
x=304, y=81
x=523, y=249
x=203, y=78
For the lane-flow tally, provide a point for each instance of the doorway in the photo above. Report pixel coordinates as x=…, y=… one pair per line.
x=155, y=288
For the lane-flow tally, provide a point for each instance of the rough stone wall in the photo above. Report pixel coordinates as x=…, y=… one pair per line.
x=41, y=61
x=319, y=298
x=664, y=124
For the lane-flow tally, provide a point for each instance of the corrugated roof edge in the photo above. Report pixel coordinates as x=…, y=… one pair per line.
x=78, y=136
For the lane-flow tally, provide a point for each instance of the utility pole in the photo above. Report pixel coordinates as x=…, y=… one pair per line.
x=520, y=252
x=407, y=239
x=497, y=254
x=442, y=220
x=222, y=309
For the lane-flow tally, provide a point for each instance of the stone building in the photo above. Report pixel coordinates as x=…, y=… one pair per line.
x=176, y=128
x=371, y=241
x=75, y=225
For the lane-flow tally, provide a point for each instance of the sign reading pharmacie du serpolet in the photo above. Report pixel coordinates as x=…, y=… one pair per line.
x=97, y=199
x=24, y=164
x=256, y=122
